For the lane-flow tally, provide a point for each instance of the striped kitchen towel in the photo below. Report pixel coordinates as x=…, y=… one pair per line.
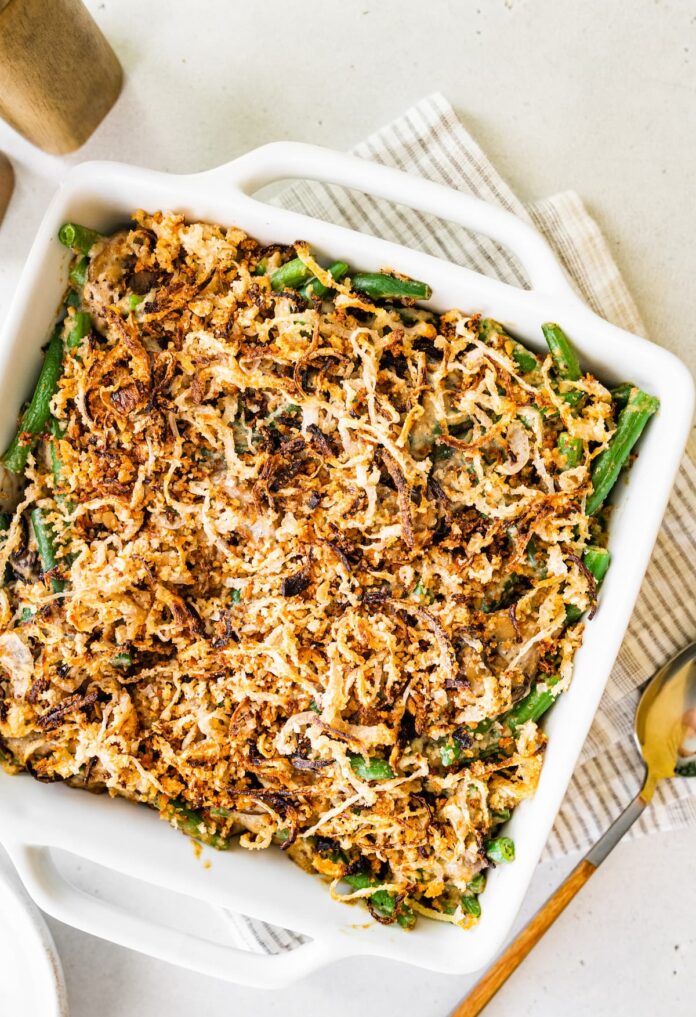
x=430, y=141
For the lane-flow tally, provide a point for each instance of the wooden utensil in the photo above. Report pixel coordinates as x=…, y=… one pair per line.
x=58, y=75
x=665, y=731
x=6, y=183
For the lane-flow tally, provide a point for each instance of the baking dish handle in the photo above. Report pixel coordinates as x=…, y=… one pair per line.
x=293, y=160
x=60, y=899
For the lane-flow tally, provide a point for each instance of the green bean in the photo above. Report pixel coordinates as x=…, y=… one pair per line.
x=382, y=900
x=34, y=418
x=573, y=613
x=533, y=706
x=194, y=825
x=571, y=450
x=596, y=560
x=370, y=769
x=574, y=397
x=261, y=266
x=78, y=238
x=471, y=905
x=478, y=884
x=487, y=326
x=621, y=393
x=361, y=880
x=315, y=288
x=294, y=275
x=134, y=300
x=481, y=726
x=46, y=543
x=500, y=849
x=500, y=815
x=380, y=286
x=81, y=325
x=291, y=275
x=56, y=465
x=524, y=358
x=608, y=464
x=72, y=299
x=422, y=591
x=78, y=273
x=562, y=353
x=450, y=752
x=441, y=453
x=218, y=810
x=122, y=660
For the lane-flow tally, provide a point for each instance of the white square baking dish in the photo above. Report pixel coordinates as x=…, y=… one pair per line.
x=35, y=818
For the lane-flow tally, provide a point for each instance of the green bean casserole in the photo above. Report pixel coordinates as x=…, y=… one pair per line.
x=294, y=560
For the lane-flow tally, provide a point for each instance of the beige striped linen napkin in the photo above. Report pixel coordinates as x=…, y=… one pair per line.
x=430, y=141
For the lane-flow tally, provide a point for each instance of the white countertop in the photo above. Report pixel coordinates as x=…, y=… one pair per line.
x=598, y=97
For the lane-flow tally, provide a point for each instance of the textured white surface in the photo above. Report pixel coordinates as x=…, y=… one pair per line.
x=595, y=96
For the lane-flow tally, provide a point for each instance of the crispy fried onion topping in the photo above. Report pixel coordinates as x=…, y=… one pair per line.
x=305, y=546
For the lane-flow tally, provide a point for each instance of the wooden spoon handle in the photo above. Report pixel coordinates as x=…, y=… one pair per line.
x=6, y=180
x=58, y=75
x=508, y=961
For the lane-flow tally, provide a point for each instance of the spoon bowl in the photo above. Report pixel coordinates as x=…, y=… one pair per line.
x=665, y=722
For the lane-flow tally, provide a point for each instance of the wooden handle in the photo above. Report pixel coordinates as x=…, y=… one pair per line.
x=58, y=75
x=497, y=975
x=6, y=181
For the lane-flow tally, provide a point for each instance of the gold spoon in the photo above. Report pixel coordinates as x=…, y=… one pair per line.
x=665, y=731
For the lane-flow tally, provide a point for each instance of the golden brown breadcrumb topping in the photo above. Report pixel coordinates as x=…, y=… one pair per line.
x=314, y=552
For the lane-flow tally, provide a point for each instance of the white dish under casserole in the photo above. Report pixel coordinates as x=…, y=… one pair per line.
x=26, y=946
x=35, y=818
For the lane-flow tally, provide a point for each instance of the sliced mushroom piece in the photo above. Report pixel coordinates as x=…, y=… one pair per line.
x=105, y=283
